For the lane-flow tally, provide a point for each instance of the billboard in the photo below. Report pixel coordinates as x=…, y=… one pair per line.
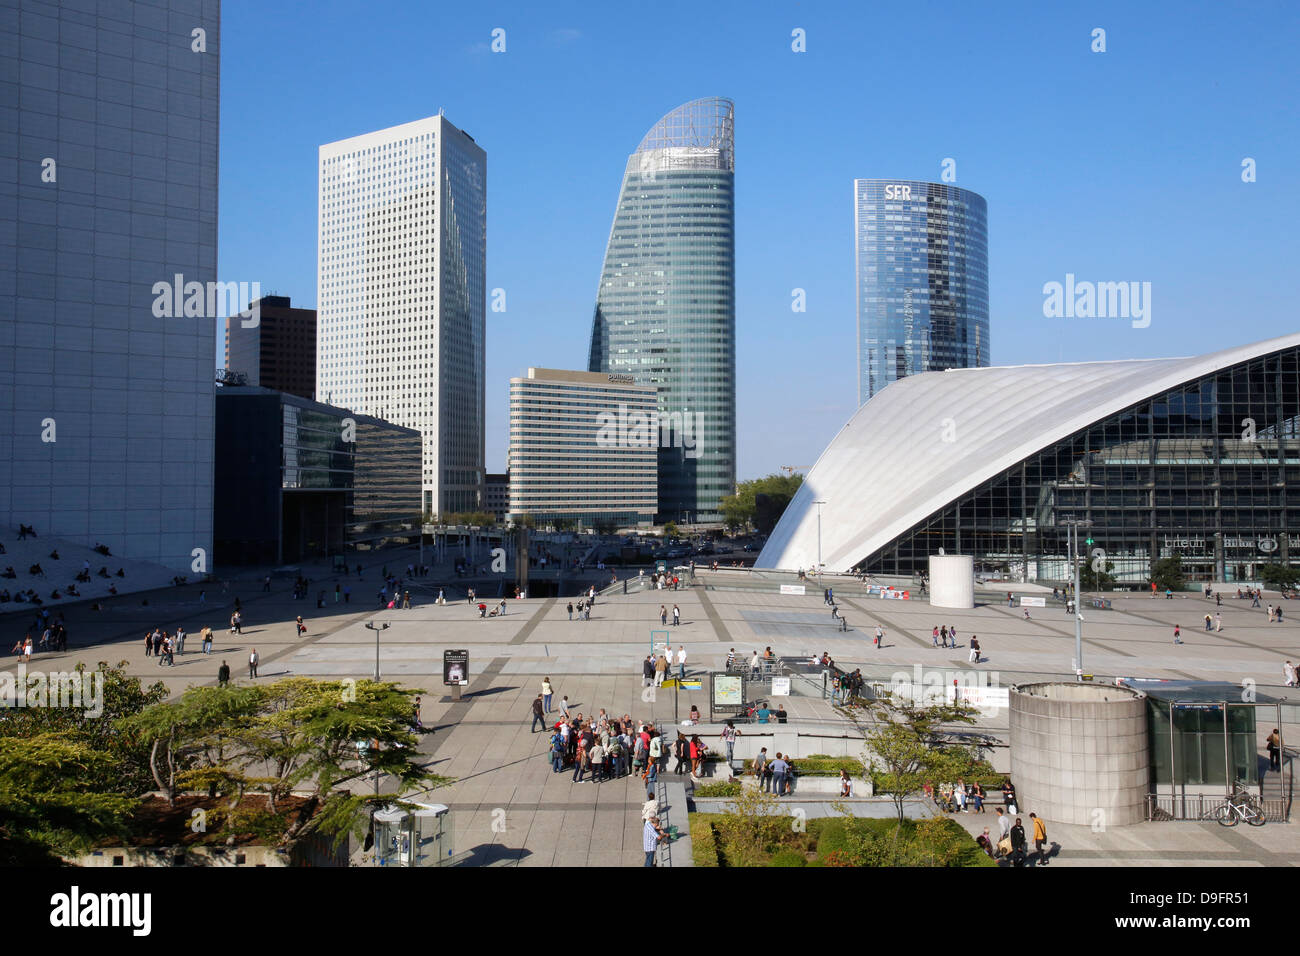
x=455, y=667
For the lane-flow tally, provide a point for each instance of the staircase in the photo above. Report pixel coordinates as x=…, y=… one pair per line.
x=1275, y=788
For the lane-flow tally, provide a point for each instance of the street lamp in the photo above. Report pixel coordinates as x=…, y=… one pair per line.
x=819, y=504
x=372, y=627
x=1073, y=524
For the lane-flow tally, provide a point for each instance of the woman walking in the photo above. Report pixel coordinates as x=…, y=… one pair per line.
x=547, y=693
x=681, y=751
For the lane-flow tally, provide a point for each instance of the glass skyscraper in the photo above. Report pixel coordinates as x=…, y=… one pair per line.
x=922, y=280
x=666, y=308
x=108, y=215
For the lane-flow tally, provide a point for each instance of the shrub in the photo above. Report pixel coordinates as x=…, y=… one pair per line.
x=789, y=858
x=719, y=790
x=704, y=841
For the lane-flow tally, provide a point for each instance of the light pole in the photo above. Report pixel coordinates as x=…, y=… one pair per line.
x=1073, y=525
x=819, y=504
x=382, y=627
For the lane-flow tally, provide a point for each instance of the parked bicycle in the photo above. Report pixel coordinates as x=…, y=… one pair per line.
x=1240, y=805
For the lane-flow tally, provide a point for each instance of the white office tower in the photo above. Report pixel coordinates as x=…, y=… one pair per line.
x=401, y=318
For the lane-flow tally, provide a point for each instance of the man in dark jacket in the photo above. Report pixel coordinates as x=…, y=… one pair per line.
x=1018, y=844
x=648, y=671
x=223, y=674
x=539, y=715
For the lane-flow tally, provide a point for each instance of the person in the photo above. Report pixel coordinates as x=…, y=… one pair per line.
x=754, y=665
x=846, y=785
x=1274, y=745
x=302, y=628
x=764, y=715
x=985, y=842
x=731, y=658
x=547, y=693
x=253, y=660
x=206, y=634
x=648, y=670
x=779, y=768
x=539, y=715
x=652, y=836
x=570, y=610
x=1288, y=674
x=223, y=674
x=596, y=758
x=1004, y=824
x=1027, y=614
x=781, y=714
x=974, y=649
x=663, y=615
x=148, y=643
x=564, y=706
x=934, y=636
x=959, y=794
x=661, y=668
x=1218, y=621
x=656, y=753
x=977, y=795
x=677, y=616
x=681, y=752
x=681, y=659
x=1018, y=843
x=1178, y=639
x=880, y=637
x=729, y=735
x=406, y=600
x=1208, y=622
x=1040, y=838
x=695, y=714
x=759, y=768
x=1008, y=795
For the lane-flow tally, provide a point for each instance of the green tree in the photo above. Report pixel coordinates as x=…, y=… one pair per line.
x=1167, y=573
x=752, y=822
x=670, y=530
x=1278, y=576
x=743, y=508
x=1090, y=580
x=524, y=521
x=907, y=747
x=53, y=798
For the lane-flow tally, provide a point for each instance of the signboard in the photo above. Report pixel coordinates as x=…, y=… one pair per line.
x=455, y=667
x=728, y=691
x=990, y=700
x=691, y=683
x=661, y=566
x=1033, y=602
x=780, y=687
x=793, y=589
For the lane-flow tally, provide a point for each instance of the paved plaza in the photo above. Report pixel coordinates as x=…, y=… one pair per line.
x=509, y=806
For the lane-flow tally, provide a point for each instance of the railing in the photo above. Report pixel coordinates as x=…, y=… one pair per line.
x=1206, y=806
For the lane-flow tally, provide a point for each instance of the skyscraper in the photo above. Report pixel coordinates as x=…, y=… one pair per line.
x=279, y=352
x=401, y=300
x=666, y=307
x=922, y=280
x=108, y=217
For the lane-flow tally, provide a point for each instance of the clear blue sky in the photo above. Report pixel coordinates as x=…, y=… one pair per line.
x=1115, y=166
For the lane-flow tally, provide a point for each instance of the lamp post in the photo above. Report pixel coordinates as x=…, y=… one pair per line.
x=377, y=628
x=1073, y=524
x=819, y=504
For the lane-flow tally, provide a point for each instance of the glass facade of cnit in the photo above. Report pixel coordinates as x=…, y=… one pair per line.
x=922, y=280
x=666, y=307
x=1208, y=471
x=583, y=448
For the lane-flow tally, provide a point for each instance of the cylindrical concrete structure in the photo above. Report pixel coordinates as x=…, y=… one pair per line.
x=952, y=580
x=1079, y=753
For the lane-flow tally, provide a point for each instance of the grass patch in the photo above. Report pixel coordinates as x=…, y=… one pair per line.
x=704, y=841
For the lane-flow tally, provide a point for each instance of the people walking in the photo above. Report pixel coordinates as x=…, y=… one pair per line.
x=648, y=670
x=223, y=674
x=1208, y=624
x=1018, y=844
x=677, y=616
x=1040, y=838
x=253, y=660
x=663, y=616
x=729, y=735
x=1274, y=746
x=570, y=610
x=661, y=668
x=302, y=628
x=539, y=714
x=880, y=637
x=1288, y=674
x=1178, y=634
x=934, y=636
x=681, y=752
x=681, y=662
x=974, y=649
x=779, y=768
x=547, y=693
x=1218, y=622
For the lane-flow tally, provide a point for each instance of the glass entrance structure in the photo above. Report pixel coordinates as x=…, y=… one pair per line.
x=1196, y=458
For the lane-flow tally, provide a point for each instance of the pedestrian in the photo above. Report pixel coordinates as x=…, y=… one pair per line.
x=656, y=754
x=564, y=706
x=223, y=674
x=778, y=769
x=597, y=761
x=651, y=837
x=681, y=662
x=1004, y=824
x=347, y=594
x=974, y=649
x=406, y=600
x=148, y=643
x=179, y=642
x=663, y=616
x=338, y=591
x=1027, y=614
x=934, y=636
x=759, y=768
x=1288, y=674
x=681, y=752
x=302, y=628
x=648, y=670
x=1040, y=838
x=539, y=714
x=731, y=658
x=1274, y=745
x=1009, y=796
x=570, y=610
x=1218, y=622
x=943, y=636
x=1208, y=624
x=677, y=616
x=754, y=666
x=1178, y=634
x=729, y=735
x=547, y=692
x=1018, y=844
x=253, y=660
x=880, y=637
x=661, y=668
x=977, y=796
x=206, y=634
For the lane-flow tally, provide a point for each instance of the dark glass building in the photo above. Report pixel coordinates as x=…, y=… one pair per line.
x=291, y=485
x=279, y=352
x=1197, y=458
x=922, y=280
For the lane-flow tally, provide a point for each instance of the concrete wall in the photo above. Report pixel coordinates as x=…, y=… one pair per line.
x=952, y=580
x=1079, y=753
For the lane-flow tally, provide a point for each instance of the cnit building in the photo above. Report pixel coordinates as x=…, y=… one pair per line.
x=1194, y=457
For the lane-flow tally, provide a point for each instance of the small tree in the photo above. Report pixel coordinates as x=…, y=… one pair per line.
x=670, y=530
x=1091, y=580
x=1280, y=577
x=1167, y=573
x=751, y=823
x=905, y=745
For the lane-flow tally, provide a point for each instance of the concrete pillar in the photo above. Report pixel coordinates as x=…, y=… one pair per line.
x=952, y=580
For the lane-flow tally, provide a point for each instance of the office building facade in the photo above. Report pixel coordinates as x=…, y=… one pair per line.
x=583, y=448
x=279, y=352
x=922, y=280
x=108, y=215
x=666, y=307
x=401, y=294
x=299, y=480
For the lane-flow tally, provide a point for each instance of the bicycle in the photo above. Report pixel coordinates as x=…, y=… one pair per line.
x=1240, y=805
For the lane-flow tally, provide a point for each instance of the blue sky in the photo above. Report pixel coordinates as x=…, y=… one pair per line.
x=1115, y=166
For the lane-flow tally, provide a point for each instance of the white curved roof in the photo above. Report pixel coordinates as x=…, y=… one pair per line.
x=927, y=439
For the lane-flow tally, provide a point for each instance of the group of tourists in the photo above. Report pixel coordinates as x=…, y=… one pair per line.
x=654, y=668
x=165, y=645
x=1011, y=843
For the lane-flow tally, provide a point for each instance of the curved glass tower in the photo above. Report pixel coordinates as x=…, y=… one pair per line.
x=666, y=308
x=922, y=280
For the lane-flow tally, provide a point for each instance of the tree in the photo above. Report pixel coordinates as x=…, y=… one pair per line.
x=906, y=746
x=760, y=501
x=1167, y=573
x=671, y=530
x=1280, y=577
x=1090, y=580
x=751, y=823
x=524, y=521
x=53, y=798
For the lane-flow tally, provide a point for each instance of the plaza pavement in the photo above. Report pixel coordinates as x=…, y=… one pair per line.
x=511, y=809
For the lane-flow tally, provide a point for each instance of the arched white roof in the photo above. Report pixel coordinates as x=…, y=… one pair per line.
x=927, y=439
